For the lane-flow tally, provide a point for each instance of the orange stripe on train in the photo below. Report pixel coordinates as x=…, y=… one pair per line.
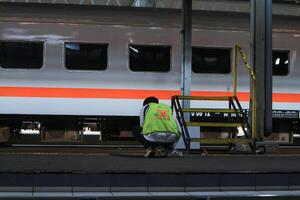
x=45, y=92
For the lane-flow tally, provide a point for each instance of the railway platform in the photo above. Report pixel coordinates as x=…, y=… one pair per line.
x=73, y=173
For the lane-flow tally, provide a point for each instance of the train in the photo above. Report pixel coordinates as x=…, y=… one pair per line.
x=96, y=64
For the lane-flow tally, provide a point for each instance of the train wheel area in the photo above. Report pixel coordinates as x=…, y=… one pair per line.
x=108, y=131
x=110, y=134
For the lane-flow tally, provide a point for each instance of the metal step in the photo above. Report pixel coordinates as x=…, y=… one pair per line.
x=210, y=110
x=222, y=140
x=215, y=124
x=215, y=98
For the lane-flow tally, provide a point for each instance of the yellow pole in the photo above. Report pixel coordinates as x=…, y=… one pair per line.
x=253, y=94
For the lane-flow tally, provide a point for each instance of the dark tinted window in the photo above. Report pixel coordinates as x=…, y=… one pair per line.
x=23, y=55
x=86, y=56
x=280, y=63
x=149, y=58
x=208, y=60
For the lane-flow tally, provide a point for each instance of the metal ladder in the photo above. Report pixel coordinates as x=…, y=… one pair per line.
x=234, y=109
x=235, y=117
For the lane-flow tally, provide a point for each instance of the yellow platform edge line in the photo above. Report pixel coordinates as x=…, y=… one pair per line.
x=210, y=110
x=214, y=124
x=221, y=141
x=217, y=98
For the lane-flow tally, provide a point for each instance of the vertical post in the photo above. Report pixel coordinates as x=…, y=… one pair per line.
x=235, y=70
x=186, y=65
x=261, y=60
x=269, y=68
x=186, y=50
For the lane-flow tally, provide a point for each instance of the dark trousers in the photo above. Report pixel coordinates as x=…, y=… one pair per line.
x=140, y=137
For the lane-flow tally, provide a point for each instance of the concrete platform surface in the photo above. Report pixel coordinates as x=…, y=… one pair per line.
x=135, y=162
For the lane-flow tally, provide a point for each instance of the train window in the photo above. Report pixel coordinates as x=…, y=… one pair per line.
x=149, y=58
x=209, y=60
x=21, y=55
x=81, y=56
x=280, y=63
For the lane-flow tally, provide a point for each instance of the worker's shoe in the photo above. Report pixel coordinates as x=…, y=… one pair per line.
x=174, y=153
x=161, y=152
x=150, y=152
x=204, y=153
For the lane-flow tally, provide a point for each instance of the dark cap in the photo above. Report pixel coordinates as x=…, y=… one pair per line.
x=150, y=100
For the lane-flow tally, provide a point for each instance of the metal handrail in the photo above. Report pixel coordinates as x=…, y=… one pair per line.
x=180, y=118
x=253, y=79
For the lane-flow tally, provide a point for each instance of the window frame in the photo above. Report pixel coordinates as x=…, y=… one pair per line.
x=288, y=67
x=87, y=42
x=29, y=69
x=149, y=45
x=215, y=48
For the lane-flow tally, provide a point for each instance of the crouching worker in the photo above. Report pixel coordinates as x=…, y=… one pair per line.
x=159, y=130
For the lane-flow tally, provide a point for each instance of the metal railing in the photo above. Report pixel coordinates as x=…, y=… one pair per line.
x=234, y=108
x=234, y=118
x=252, y=106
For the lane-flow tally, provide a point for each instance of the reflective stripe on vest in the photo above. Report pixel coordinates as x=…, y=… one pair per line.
x=159, y=118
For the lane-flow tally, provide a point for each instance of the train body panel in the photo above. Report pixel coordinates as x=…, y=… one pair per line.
x=109, y=85
x=62, y=106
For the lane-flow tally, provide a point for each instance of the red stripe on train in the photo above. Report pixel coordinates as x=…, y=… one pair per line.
x=46, y=92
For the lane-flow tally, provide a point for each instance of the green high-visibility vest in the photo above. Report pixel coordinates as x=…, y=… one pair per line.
x=159, y=118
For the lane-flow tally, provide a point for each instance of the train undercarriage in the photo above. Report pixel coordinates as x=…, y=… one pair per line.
x=117, y=131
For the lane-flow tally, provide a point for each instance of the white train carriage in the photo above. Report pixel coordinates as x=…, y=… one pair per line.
x=83, y=62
